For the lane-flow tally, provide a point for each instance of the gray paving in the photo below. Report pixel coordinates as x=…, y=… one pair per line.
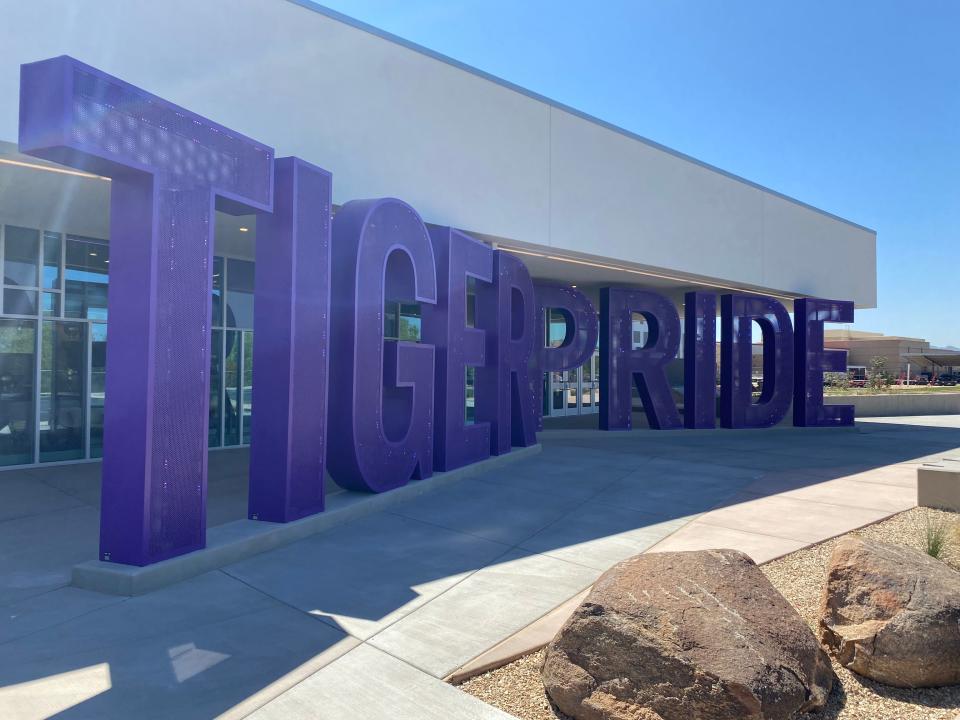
x=365, y=619
x=368, y=683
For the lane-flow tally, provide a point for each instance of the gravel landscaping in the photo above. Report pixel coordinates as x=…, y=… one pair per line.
x=517, y=688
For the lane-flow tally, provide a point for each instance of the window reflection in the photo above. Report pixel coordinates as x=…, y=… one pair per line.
x=48, y=276
x=51, y=261
x=239, y=293
x=217, y=292
x=216, y=388
x=401, y=321
x=61, y=391
x=85, y=286
x=233, y=390
x=247, y=407
x=98, y=386
x=557, y=329
x=17, y=356
x=21, y=255
x=470, y=411
x=19, y=302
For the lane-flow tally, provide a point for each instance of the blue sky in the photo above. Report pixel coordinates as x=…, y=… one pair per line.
x=851, y=106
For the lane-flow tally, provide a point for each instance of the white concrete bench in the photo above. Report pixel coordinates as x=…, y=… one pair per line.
x=938, y=485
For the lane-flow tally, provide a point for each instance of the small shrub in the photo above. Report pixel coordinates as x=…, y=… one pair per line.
x=837, y=380
x=877, y=376
x=936, y=536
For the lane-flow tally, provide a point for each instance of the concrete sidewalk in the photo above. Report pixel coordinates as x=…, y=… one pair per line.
x=364, y=620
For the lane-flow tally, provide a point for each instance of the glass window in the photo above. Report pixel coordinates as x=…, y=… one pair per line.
x=408, y=327
x=19, y=302
x=51, y=304
x=85, y=286
x=640, y=331
x=390, y=320
x=470, y=411
x=247, y=385
x=218, y=292
x=98, y=386
x=62, y=402
x=239, y=293
x=471, y=301
x=216, y=387
x=557, y=329
x=17, y=357
x=20, y=256
x=401, y=321
x=51, y=261
x=231, y=377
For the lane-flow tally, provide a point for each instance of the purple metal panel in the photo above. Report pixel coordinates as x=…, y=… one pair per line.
x=737, y=315
x=457, y=346
x=812, y=360
x=700, y=360
x=646, y=366
x=381, y=399
x=504, y=396
x=291, y=318
x=167, y=167
x=579, y=342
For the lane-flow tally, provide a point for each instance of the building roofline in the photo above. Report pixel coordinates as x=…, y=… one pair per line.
x=396, y=39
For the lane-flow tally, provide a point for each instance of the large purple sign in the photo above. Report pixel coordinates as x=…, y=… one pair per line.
x=580, y=334
x=382, y=397
x=397, y=408
x=168, y=167
x=291, y=315
x=458, y=346
x=622, y=365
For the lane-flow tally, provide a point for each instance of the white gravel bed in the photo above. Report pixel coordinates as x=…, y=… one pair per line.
x=516, y=688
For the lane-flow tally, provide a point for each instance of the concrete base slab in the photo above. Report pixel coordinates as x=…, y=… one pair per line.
x=938, y=485
x=241, y=539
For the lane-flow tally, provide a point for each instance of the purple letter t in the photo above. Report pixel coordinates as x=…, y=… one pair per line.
x=168, y=166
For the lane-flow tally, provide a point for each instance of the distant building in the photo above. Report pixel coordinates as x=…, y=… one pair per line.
x=902, y=354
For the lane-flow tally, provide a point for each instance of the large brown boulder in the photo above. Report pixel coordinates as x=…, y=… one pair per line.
x=892, y=614
x=685, y=635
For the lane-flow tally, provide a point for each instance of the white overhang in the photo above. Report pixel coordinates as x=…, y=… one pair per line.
x=389, y=118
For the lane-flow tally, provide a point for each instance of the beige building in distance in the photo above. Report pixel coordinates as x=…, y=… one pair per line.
x=902, y=354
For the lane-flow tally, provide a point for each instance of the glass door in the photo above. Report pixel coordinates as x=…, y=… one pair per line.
x=97, y=385
x=590, y=385
x=62, y=388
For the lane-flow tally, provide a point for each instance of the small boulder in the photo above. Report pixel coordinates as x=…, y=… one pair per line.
x=892, y=614
x=682, y=635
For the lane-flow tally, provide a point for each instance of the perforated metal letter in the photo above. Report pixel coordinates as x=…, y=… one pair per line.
x=580, y=340
x=646, y=366
x=504, y=396
x=290, y=358
x=700, y=360
x=809, y=315
x=380, y=427
x=458, y=347
x=168, y=166
x=737, y=315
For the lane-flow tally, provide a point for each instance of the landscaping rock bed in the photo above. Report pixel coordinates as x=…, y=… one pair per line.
x=699, y=634
x=517, y=688
x=892, y=614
